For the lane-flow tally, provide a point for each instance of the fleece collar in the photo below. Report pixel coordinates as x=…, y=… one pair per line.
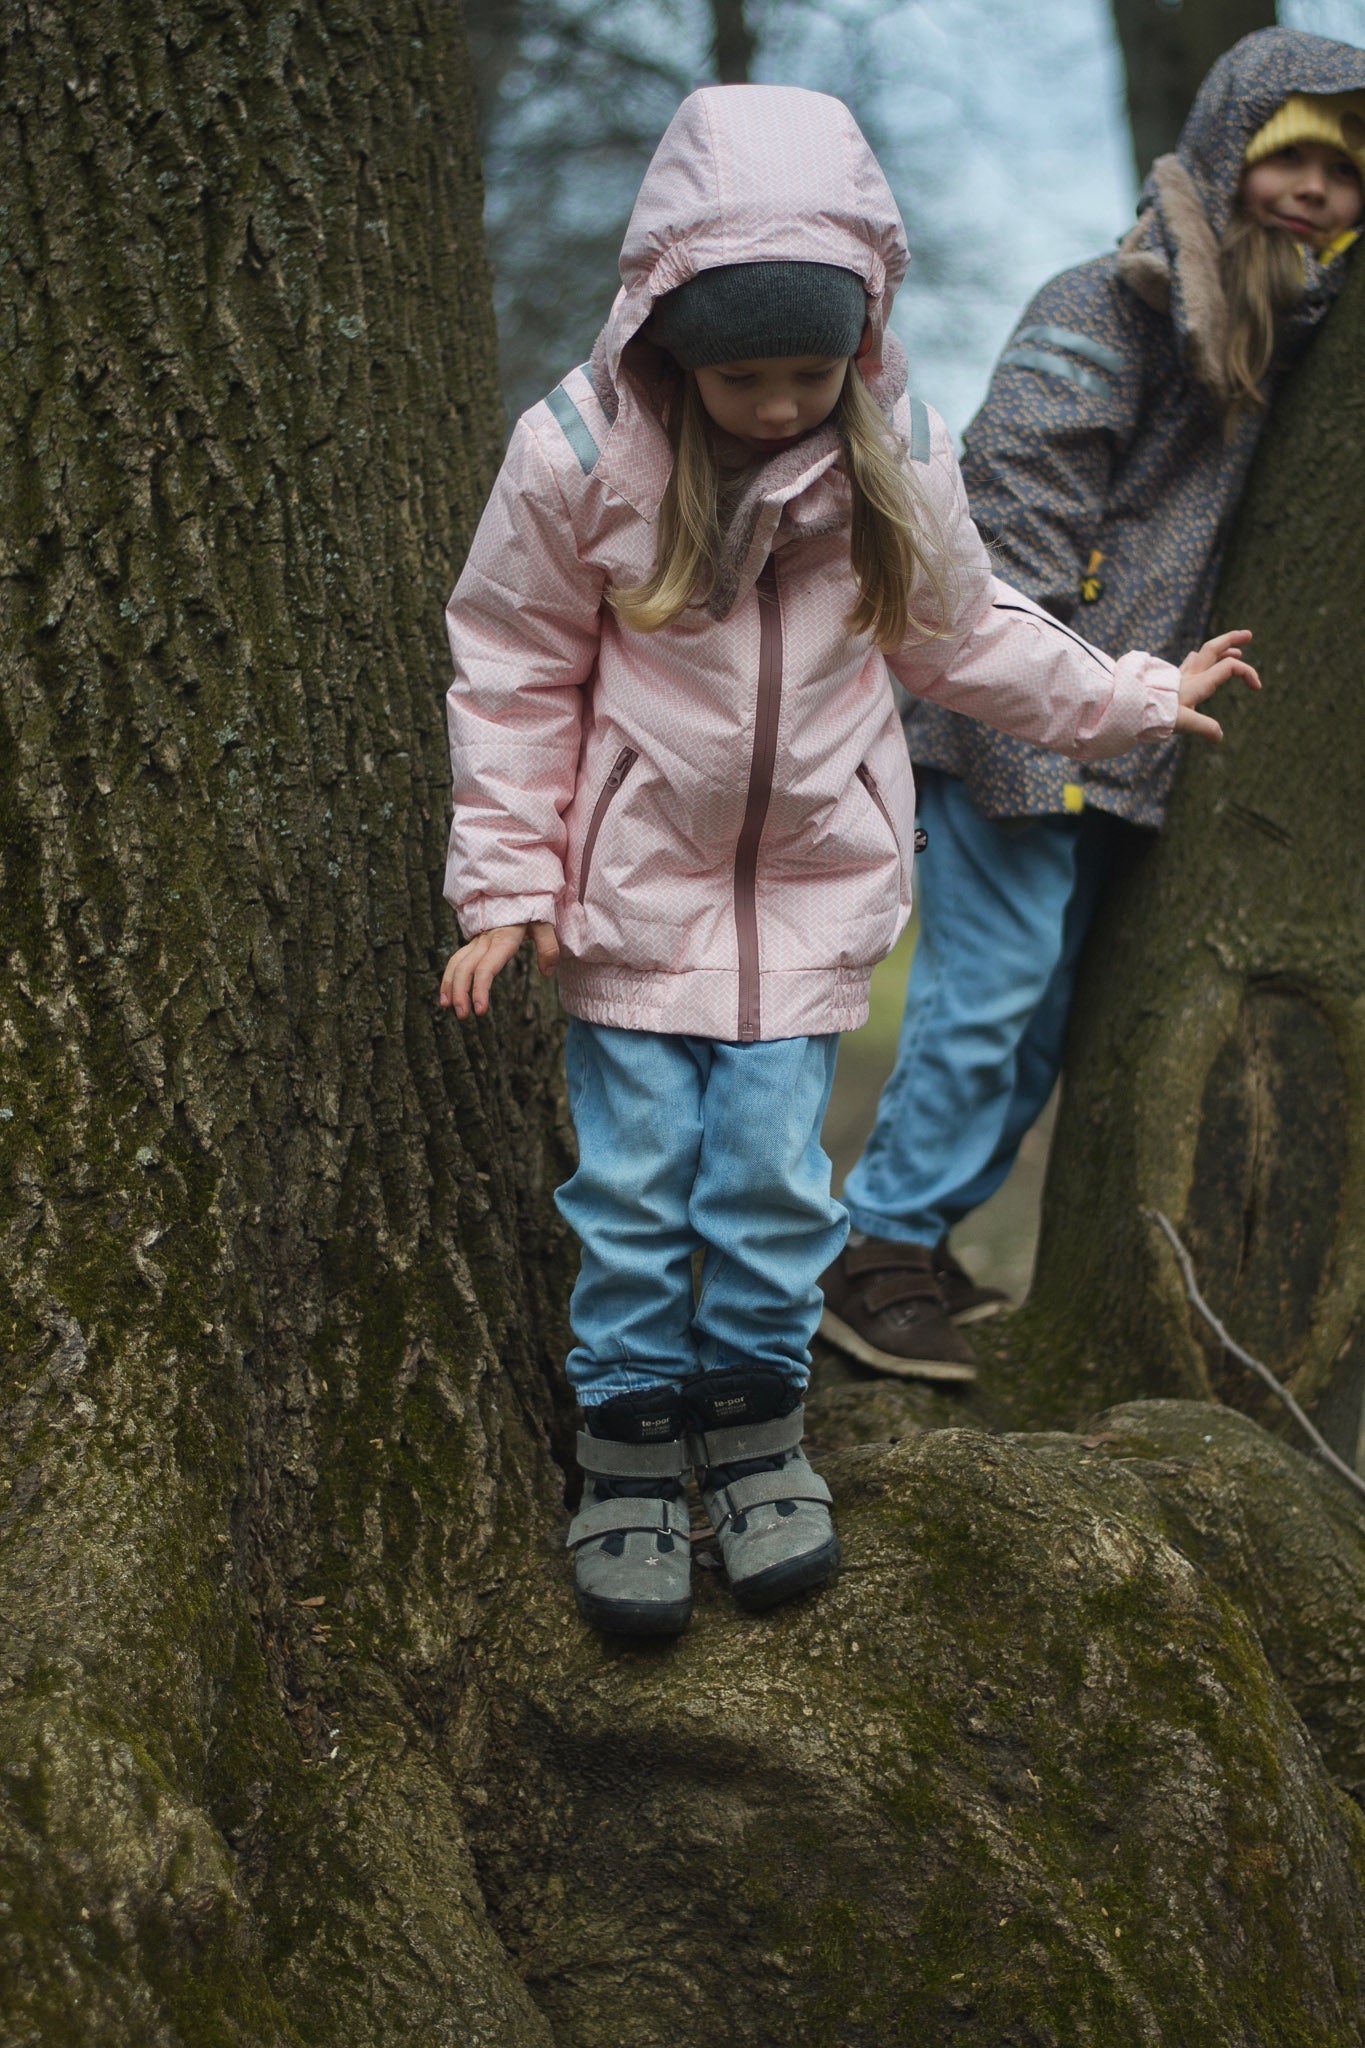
x=1169, y=259
x=782, y=492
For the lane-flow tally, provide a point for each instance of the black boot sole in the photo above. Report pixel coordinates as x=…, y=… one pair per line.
x=783, y=1581
x=634, y=1617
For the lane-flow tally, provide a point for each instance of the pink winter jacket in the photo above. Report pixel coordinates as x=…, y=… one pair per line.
x=718, y=817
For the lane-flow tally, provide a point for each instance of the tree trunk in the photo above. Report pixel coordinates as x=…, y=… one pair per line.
x=733, y=43
x=281, y=1277
x=1168, y=46
x=494, y=29
x=1217, y=1062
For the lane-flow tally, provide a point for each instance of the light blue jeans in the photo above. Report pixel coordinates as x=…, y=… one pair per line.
x=690, y=1144
x=1004, y=910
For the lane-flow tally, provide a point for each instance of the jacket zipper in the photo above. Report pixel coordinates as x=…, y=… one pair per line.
x=762, y=763
x=620, y=769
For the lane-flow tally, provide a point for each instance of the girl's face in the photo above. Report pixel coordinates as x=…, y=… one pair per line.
x=1310, y=191
x=770, y=402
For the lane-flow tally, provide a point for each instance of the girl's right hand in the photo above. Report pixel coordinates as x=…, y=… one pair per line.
x=1202, y=672
x=470, y=972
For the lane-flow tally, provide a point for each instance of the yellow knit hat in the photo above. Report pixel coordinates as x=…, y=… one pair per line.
x=1336, y=118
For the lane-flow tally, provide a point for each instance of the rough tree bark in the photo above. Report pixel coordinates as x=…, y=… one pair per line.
x=1217, y=1064
x=280, y=1281
x=1168, y=45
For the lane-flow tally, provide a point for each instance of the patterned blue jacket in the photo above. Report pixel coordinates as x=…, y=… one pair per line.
x=1097, y=468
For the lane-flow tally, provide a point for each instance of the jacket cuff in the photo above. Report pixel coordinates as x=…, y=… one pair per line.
x=487, y=913
x=1160, y=687
x=1143, y=700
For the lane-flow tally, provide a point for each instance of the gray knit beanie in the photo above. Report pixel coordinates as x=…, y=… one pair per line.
x=744, y=312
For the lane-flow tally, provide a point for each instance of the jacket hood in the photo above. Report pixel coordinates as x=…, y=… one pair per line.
x=758, y=174
x=1170, y=258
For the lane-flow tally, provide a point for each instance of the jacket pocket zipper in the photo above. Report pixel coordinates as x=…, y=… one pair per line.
x=620, y=769
x=864, y=775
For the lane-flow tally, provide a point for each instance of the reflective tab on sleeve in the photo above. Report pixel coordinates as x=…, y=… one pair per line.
x=919, y=430
x=1056, y=366
x=576, y=430
x=1074, y=344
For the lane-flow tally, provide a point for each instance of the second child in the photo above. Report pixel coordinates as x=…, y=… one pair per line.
x=1105, y=466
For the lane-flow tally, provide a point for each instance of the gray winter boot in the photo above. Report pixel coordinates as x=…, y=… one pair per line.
x=769, y=1509
x=630, y=1538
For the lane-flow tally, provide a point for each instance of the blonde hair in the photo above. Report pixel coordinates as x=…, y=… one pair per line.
x=1263, y=279
x=893, y=548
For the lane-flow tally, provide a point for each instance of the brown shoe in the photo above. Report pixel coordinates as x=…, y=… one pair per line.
x=964, y=1300
x=883, y=1307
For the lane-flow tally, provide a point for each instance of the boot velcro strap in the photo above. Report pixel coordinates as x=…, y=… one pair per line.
x=617, y=1517
x=793, y=1481
x=748, y=1439
x=632, y=1461
x=891, y=1289
x=879, y=1255
x=885, y=1275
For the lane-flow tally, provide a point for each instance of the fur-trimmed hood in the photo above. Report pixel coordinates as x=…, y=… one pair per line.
x=1170, y=257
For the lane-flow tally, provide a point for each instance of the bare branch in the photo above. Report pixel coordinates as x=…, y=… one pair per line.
x=1166, y=52
x=1263, y=1372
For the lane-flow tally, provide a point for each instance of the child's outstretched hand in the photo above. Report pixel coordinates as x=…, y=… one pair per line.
x=470, y=973
x=1203, y=671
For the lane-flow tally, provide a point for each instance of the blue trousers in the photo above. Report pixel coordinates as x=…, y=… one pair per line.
x=685, y=1145
x=1004, y=910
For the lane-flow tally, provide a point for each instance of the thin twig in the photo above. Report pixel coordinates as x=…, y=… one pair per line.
x=1263, y=1372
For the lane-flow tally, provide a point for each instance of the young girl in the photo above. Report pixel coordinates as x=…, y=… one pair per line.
x=678, y=766
x=1105, y=467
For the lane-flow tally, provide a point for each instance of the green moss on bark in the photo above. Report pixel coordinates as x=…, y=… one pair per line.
x=1025, y=1775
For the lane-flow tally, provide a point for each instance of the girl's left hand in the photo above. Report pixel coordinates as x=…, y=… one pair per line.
x=471, y=972
x=1203, y=671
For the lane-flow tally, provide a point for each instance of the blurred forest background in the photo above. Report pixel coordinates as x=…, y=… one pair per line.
x=1015, y=134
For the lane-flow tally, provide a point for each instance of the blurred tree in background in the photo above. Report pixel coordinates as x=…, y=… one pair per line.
x=1005, y=133
x=1168, y=45
x=573, y=98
